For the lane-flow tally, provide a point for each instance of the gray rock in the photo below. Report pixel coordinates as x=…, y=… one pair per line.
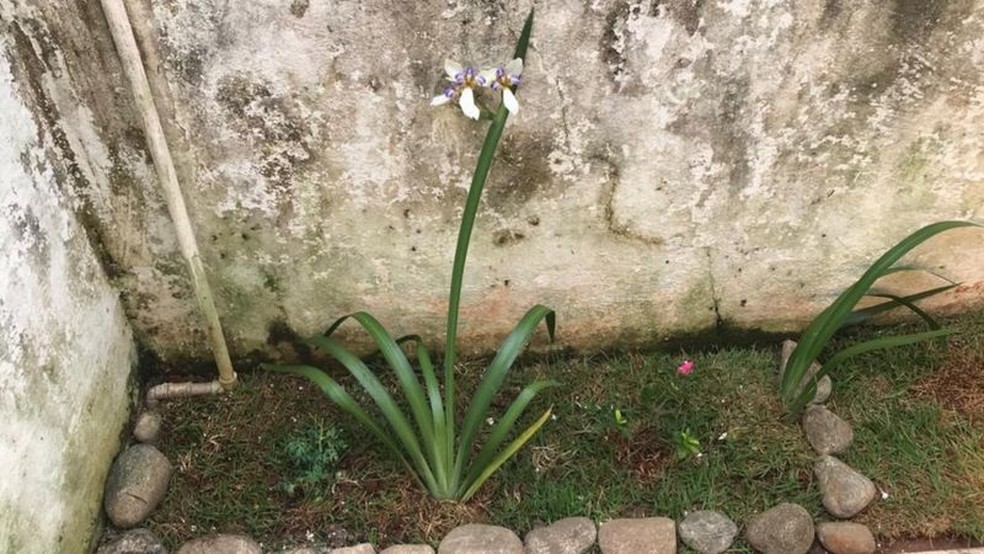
x=221, y=544
x=304, y=550
x=845, y=491
x=572, y=535
x=824, y=385
x=409, y=549
x=364, y=548
x=134, y=541
x=845, y=537
x=707, y=532
x=652, y=535
x=147, y=427
x=826, y=432
x=137, y=483
x=475, y=538
x=785, y=529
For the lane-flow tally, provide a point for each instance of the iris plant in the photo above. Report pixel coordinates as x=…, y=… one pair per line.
x=446, y=459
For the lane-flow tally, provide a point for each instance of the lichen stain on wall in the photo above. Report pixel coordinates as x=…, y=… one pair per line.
x=649, y=130
x=660, y=146
x=66, y=351
x=68, y=73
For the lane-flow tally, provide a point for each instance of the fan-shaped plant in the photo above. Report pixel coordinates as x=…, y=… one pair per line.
x=428, y=442
x=841, y=313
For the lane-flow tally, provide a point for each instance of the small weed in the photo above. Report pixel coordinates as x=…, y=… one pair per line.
x=313, y=453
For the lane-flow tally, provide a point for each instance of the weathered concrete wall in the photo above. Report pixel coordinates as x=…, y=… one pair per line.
x=66, y=351
x=676, y=165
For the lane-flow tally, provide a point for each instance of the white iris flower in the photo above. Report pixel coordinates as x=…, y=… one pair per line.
x=503, y=78
x=463, y=81
x=462, y=84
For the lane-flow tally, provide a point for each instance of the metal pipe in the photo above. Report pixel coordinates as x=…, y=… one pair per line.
x=126, y=47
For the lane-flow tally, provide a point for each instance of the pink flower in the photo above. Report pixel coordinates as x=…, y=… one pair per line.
x=686, y=368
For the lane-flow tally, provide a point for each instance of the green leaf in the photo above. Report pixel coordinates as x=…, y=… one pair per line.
x=823, y=327
x=374, y=388
x=444, y=451
x=495, y=374
x=337, y=394
x=524, y=38
x=394, y=356
x=507, y=453
x=902, y=301
x=502, y=428
x=836, y=360
x=860, y=316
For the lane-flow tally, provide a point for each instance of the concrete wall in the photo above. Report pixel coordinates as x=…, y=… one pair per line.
x=677, y=165
x=66, y=350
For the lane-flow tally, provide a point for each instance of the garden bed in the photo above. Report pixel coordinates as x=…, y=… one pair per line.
x=917, y=414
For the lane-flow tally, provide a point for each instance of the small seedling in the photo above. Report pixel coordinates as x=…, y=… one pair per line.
x=687, y=445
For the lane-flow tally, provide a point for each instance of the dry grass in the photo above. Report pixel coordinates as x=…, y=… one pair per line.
x=958, y=384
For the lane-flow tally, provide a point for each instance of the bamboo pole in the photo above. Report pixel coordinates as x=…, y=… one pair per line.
x=126, y=47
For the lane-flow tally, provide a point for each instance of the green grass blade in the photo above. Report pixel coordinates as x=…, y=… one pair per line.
x=860, y=316
x=819, y=332
x=374, y=388
x=337, y=394
x=507, y=453
x=881, y=343
x=495, y=374
x=503, y=427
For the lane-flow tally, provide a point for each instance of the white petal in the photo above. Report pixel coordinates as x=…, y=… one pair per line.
x=468, y=103
x=440, y=100
x=515, y=67
x=452, y=69
x=509, y=99
x=486, y=77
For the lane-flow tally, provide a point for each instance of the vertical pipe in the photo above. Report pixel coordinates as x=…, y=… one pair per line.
x=126, y=47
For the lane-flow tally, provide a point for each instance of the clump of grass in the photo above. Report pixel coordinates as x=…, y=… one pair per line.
x=915, y=437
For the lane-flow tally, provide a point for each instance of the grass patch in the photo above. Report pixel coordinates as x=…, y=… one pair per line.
x=917, y=413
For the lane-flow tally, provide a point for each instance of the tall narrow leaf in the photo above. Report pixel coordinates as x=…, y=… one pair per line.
x=823, y=327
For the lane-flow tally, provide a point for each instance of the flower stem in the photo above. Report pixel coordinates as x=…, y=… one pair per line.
x=461, y=249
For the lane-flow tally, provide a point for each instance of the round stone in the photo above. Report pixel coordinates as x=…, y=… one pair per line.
x=147, y=427
x=845, y=491
x=137, y=482
x=784, y=529
x=845, y=537
x=475, y=538
x=707, y=532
